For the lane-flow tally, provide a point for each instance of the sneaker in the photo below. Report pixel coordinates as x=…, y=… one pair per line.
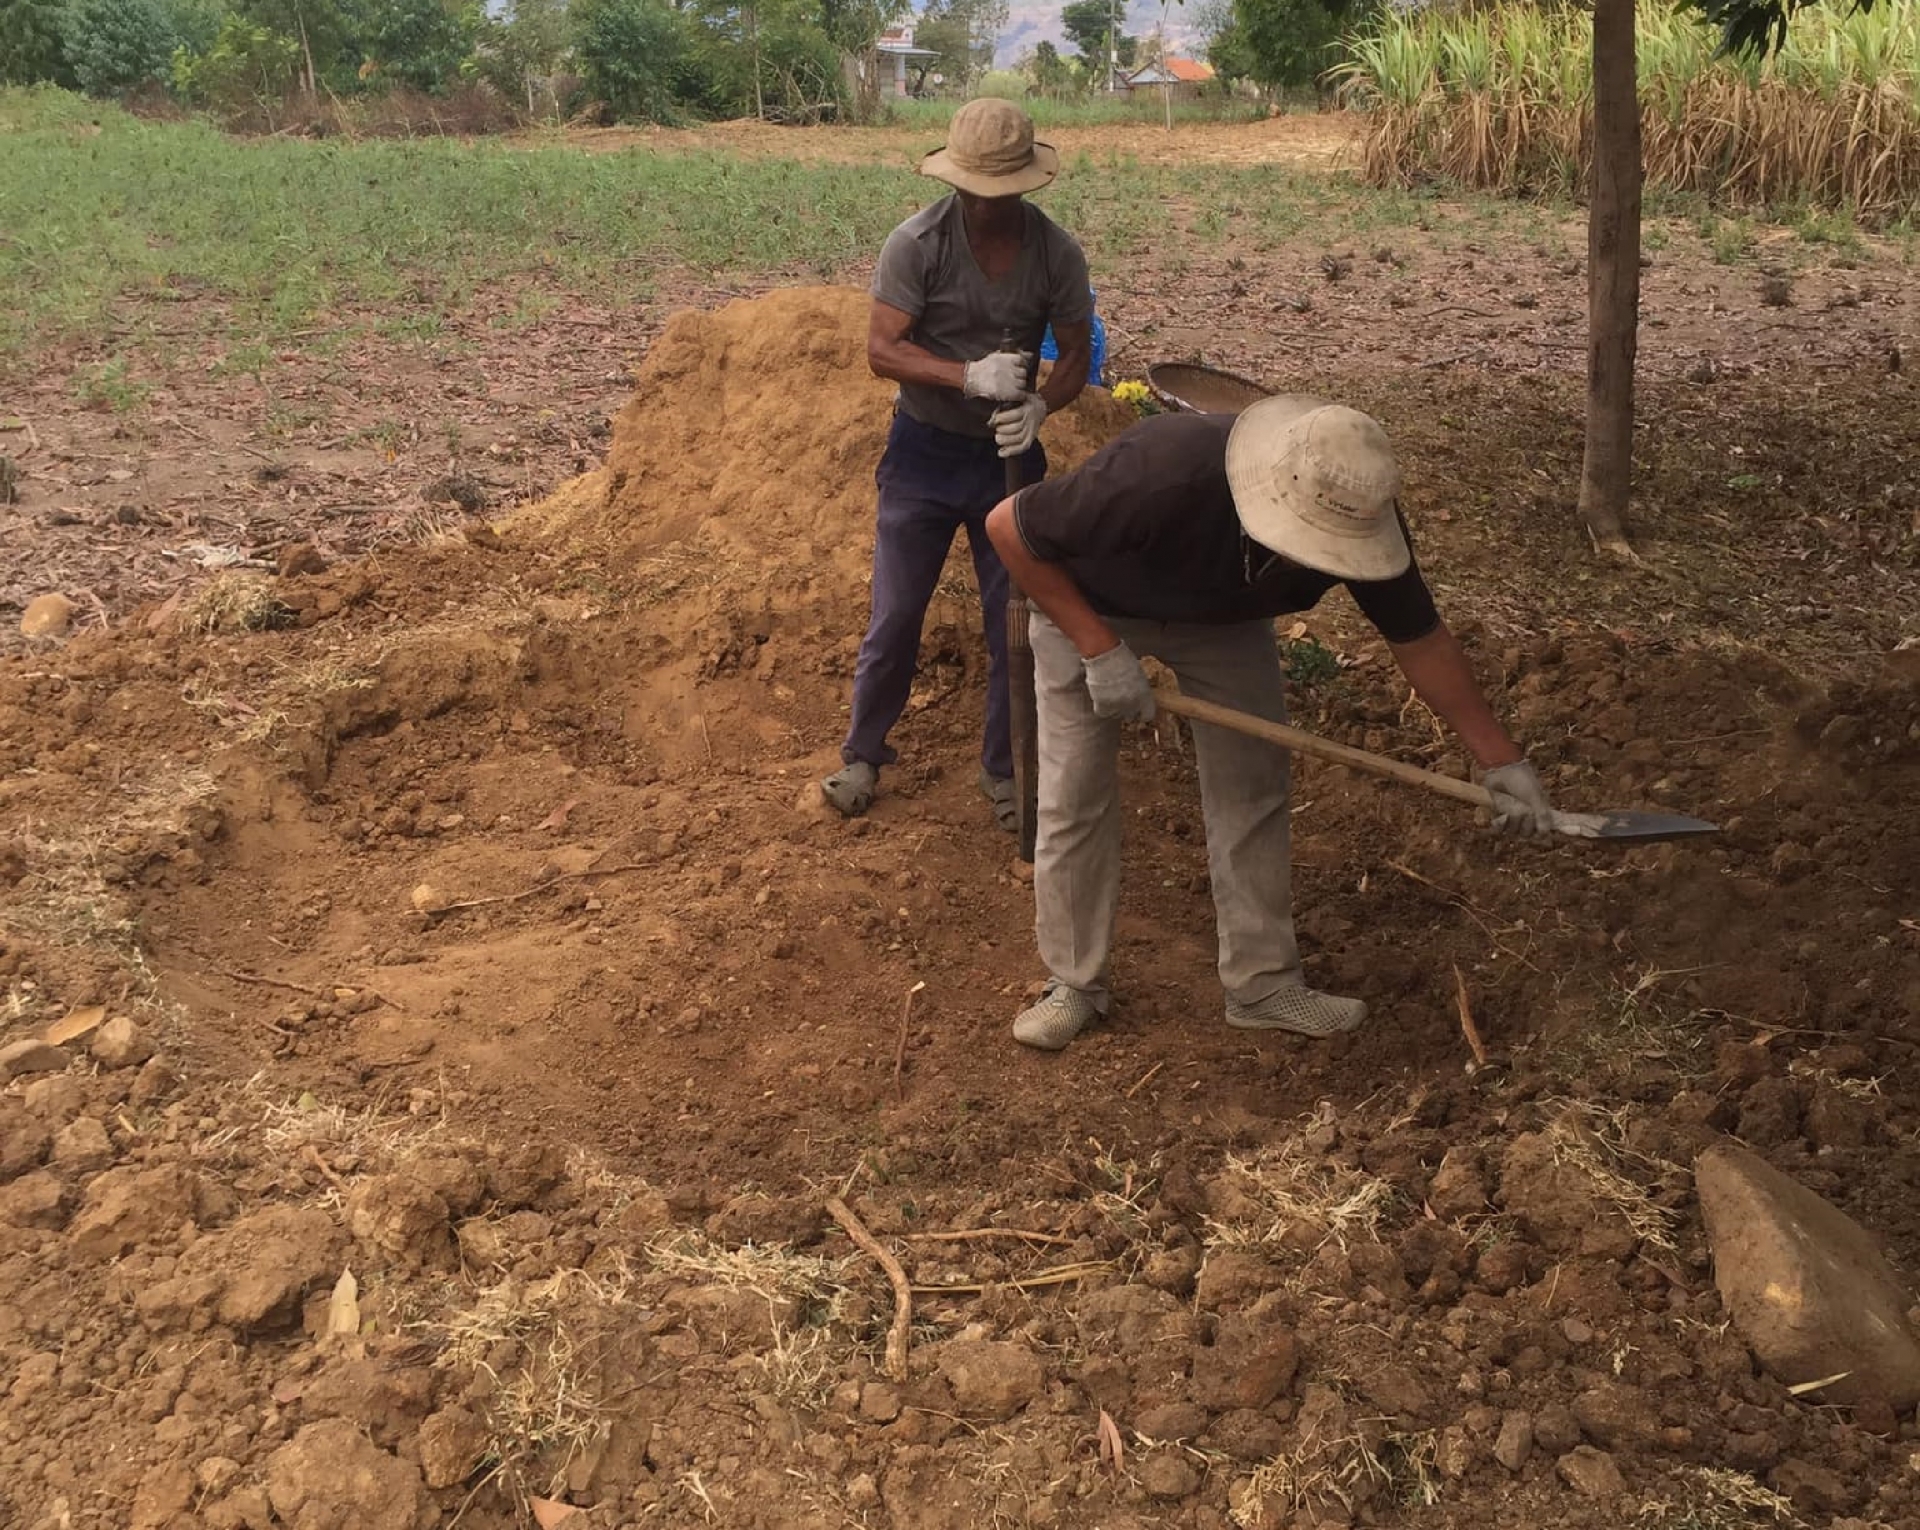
x=1300, y=1010
x=1060, y=1014
x=850, y=788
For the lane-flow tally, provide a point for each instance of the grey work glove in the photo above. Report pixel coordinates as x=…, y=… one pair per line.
x=1117, y=685
x=1520, y=803
x=1017, y=426
x=1001, y=376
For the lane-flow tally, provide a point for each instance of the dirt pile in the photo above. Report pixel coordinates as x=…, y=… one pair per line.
x=571, y=1120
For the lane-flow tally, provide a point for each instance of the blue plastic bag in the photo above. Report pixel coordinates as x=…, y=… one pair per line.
x=1097, y=370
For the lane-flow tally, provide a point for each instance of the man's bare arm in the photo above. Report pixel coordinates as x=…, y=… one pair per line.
x=1437, y=667
x=1070, y=371
x=890, y=354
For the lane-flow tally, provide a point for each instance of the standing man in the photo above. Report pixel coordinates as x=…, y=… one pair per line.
x=962, y=295
x=1184, y=538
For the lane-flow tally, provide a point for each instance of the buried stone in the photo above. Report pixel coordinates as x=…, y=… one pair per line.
x=1805, y=1285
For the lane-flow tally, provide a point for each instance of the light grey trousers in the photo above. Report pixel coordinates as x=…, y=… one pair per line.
x=1243, y=794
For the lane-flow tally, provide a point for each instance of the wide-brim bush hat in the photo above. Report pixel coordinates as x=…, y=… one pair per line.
x=1317, y=483
x=991, y=152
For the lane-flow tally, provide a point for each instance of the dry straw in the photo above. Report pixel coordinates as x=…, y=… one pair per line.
x=1501, y=99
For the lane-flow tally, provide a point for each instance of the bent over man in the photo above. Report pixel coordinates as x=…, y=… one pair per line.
x=962, y=295
x=1183, y=538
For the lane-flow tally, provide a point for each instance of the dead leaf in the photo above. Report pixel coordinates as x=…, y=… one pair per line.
x=1112, y=1447
x=1296, y=632
x=1814, y=1386
x=343, y=1307
x=75, y=1024
x=557, y=819
x=547, y=1513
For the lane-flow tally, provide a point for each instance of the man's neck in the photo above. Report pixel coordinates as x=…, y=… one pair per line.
x=994, y=222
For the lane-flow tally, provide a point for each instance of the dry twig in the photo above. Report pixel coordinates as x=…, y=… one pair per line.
x=971, y=1234
x=540, y=887
x=900, y=1047
x=897, y=1336
x=1467, y=1027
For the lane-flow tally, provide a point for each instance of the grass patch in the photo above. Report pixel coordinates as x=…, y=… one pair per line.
x=1501, y=98
x=274, y=238
x=1294, y=1197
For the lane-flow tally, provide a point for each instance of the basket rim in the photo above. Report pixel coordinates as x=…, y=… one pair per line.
x=1173, y=400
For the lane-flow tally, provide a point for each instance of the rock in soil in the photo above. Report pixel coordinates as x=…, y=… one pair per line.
x=83, y=1147
x=1172, y=1421
x=47, y=616
x=1591, y=1473
x=1555, y=1429
x=298, y=559
x=121, y=1044
x=1459, y=1186
x=126, y=1207
x=332, y=1477
x=1805, y=1284
x=1233, y=1278
x=397, y=1216
x=1815, y=1491
x=24, y=1141
x=1167, y=1476
x=1515, y=1442
x=1617, y=1417
x=33, y=1200
x=1249, y=1364
x=24, y=1057
x=452, y=1443
x=990, y=1379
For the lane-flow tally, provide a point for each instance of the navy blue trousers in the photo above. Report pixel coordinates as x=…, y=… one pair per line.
x=932, y=482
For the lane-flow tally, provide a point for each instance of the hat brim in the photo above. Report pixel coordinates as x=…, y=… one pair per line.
x=1265, y=496
x=1037, y=172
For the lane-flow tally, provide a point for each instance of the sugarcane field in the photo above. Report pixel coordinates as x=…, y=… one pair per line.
x=988, y=766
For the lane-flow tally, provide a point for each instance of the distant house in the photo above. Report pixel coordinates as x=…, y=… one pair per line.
x=900, y=62
x=1187, y=76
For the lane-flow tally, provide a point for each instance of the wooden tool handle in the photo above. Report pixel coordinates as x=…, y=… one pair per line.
x=1322, y=748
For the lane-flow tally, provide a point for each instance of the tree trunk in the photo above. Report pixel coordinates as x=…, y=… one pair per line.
x=1613, y=277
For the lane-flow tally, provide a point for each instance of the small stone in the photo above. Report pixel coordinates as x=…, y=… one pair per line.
x=1500, y=1268
x=1233, y=1278
x=1515, y=1442
x=300, y=558
x=47, y=616
x=988, y=1378
x=30, y=1056
x=1459, y=1187
x=1173, y=1269
x=1171, y=1422
x=165, y=1492
x=1555, y=1429
x=121, y=1044
x=330, y=1476
x=24, y=1140
x=1815, y=1491
x=153, y=1084
x=1805, y=1284
x=1249, y=1364
x=83, y=1147
x=1394, y=1389
x=1577, y=1331
x=216, y=1474
x=33, y=1200
x=1591, y=1473
x=1167, y=1476
x=879, y=1403
x=452, y=1444
x=1454, y=1453
x=1616, y=1416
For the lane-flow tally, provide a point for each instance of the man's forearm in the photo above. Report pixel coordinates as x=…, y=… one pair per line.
x=1049, y=586
x=904, y=362
x=1438, y=670
x=1069, y=375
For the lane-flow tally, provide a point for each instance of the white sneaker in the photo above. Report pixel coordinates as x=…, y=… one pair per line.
x=1059, y=1015
x=1300, y=1010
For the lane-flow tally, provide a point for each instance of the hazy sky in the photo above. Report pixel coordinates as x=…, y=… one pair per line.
x=1029, y=21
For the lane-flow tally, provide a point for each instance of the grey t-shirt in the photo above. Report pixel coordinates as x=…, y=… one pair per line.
x=927, y=269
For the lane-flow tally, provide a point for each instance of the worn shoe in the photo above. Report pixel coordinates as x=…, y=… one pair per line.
x=1300, y=1010
x=1060, y=1014
x=850, y=788
x=999, y=791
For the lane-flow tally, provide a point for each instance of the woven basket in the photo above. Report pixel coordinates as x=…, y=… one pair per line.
x=1186, y=388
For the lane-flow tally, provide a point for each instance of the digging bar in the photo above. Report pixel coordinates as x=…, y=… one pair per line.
x=1022, y=703
x=1617, y=826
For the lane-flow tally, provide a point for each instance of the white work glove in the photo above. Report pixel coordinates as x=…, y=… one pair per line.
x=1117, y=685
x=1520, y=803
x=1017, y=426
x=1001, y=377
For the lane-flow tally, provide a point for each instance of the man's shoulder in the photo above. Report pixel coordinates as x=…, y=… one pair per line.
x=1053, y=232
x=926, y=223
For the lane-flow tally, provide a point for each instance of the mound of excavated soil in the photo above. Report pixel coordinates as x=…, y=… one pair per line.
x=751, y=442
x=561, y=1016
